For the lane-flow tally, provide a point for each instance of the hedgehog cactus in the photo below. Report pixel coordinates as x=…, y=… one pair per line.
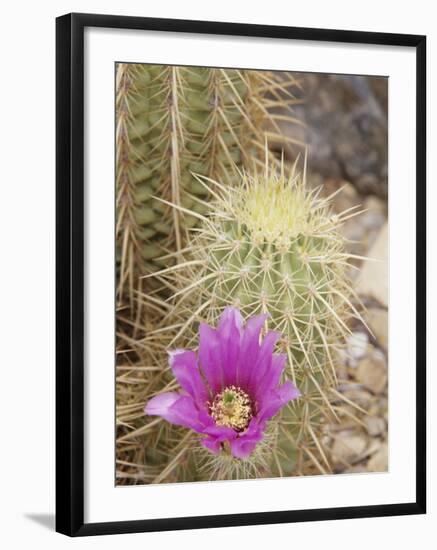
x=172, y=121
x=273, y=246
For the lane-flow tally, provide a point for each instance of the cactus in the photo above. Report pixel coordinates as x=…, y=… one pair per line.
x=171, y=121
x=263, y=243
x=273, y=246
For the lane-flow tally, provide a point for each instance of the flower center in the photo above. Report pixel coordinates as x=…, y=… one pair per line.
x=232, y=408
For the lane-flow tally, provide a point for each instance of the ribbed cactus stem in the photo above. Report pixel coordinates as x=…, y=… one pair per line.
x=127, y=229
x=172, y=121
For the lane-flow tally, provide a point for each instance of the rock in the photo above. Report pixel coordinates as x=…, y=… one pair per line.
x=379, y=461
x=345, y=128
x=377, y=319
x=342, y=373
x=373, y=280
x=374, y=425
x=372, y=372
x=354, y=231
x=356, y=346
x=348, y=447
x=347, y=198
x=375, y=214
x=360, y=397
x=371, y=220
x=374, y=446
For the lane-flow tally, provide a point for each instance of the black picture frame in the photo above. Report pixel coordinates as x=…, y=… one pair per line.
x=70, y=273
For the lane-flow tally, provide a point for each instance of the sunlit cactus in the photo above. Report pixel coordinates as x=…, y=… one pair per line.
x=170, y=122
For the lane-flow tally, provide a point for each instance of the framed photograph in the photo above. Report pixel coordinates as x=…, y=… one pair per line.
x=240, y=274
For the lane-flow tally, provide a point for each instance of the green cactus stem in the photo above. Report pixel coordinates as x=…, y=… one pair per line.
x=272, y=245
x=170, y=122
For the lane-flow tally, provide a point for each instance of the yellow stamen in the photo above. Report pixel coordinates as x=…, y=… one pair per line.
x=232, y=408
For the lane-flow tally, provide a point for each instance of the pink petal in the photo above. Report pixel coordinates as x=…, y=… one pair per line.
x=177, y=409
x=273, y=402
x=249, y=348
x=271, y=378
x=184, y=366
x=210, y=357
x=230, y=330
x=160, y=404
x=211, y=444
x=219, y=349
x=244, y=445
x=216, y=435
x=222, y=433
x=263, y=360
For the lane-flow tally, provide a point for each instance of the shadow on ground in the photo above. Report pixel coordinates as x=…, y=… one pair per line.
x=46, y=520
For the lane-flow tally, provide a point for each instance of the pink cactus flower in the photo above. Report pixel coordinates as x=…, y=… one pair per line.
x=230, y=388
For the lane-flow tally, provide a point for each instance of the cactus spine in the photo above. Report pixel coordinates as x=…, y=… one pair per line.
x=172, y=121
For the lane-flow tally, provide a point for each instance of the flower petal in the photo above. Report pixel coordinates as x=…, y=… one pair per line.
x=249, y=348
x=177, y=409
x=230, y=318
x=184, y=366
x=274, y=401
x=216, y=435
x=160, y=404
x=243, y=446
x=230, y=331
x=223, y=433
x=210, y=356
x=271, y=378
x=211, y=444
x=263, y=360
